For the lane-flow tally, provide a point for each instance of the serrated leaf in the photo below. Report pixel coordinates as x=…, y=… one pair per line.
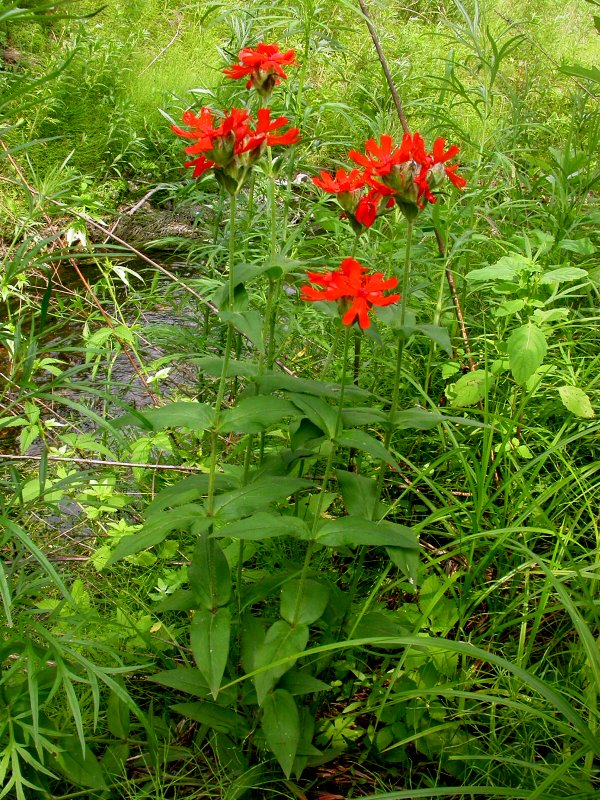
x=563, y=274
x=526, y=351
x=353, y=531
x=506, y=269
x=264, y=525
x=303, y=602
x=359, y=440
x=209, y=639
x=576, y=401
x=281, y=727
x=583, y=247
x=256, y=414
x=282, y=641
x=509, y=307
x=470, y=388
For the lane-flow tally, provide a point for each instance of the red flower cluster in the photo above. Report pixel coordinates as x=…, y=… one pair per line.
x=403, y=174
x=353, y=289
x=263, y=65
x=233, y=144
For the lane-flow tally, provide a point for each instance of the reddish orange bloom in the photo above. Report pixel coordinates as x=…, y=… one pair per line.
x=342, y=182
x=408, y=169
x=263, y=65
x=355, y=291
x=440, y=157
x=370, y=206
x=232, y=144
x=263, y=132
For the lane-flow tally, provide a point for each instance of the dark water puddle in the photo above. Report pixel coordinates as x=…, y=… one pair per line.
x=152, y=301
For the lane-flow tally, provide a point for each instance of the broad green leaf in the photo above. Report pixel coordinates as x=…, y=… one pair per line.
x=264, y=525
x=578, y=71
x=180, y=414
x=209, y=566
x=281, y=727
x=158, y=527
x=213, y=365
x=381, y=623
x=82, y=769
x=406, y=560
x=277, y=381
x=354, y=531
x=564, y=274
x=299, y=682
x=184, y=679
x=256, y=414
x=318, y=412
x=118, y=716
x=506, y=269
x=209, y=639
x=359, y=493
x=437, y=334
x=392, y=316
x=526, y=351
x=192, y=488
x=508, y=308
x=256, y=495
x=576, y=401
x=422, y=419
x=282, y=641
x=248, y=323
x=583, y=247
x=362, y=416
x=470, y=388
x=359, y=440
x=303, y=602
x=214, y=716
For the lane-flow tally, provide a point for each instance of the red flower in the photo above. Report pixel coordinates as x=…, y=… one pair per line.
x=262, y=134
x=408, y=169
x=342, y=182
x=440, y=157
x=233, y=144
x=353, y=288
x=369, y=207
x=263, y=65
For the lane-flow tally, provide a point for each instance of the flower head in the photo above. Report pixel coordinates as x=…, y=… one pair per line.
x=263, y=65
x=353, y=289
x=408, y=169
x=232, y=144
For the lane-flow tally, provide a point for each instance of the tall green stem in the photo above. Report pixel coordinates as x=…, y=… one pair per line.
x=274, y=285
x=400, y=354
x=325, y=481
x=226, y=357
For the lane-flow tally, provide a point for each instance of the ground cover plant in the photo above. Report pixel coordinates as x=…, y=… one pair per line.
x=301, y=498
